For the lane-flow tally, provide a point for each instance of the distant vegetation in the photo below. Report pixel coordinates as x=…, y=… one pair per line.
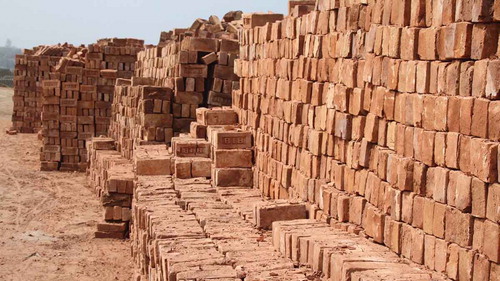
x=8, y=55
x=7, y=63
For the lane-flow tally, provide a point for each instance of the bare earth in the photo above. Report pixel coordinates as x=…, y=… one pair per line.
x=47, y=219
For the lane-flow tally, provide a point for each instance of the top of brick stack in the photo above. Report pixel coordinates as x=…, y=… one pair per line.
x=214, y=27
x=59, y=50
x=297, y=8
x=120, y=42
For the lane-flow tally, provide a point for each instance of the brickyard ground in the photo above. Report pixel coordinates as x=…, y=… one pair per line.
x=48, y=219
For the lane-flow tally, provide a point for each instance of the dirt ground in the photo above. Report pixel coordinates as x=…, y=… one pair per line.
x=47, y=219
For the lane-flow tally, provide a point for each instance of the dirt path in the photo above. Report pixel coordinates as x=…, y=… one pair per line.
x=47, y=220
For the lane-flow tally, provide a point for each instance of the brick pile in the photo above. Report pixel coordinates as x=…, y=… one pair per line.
x=232, y=151
x=77, y=103
x=112, y=178
x=384, y=115
x=197, y=63
x=182, y=231
x=140, y=113
x=32, y=67
x=341, y=255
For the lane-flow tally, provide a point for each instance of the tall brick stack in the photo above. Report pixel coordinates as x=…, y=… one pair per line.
x=140, y=113
x=384, y=115
x=33, y=67
x=81, y=107
x=112, y=178
x=197, y=63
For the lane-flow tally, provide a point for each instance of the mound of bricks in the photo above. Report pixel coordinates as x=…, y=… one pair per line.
x=168, y=243
x=112, y=178
x=141, y=113
x=198, y=64
x=77, y=102
x=341, y=256
x=31, y=69
x=383, y=115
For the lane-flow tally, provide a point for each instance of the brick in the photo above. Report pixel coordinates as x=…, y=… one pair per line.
x=452, y=263
x=438, y=183
x=112, y=227
x=110, y=235
x=418, y=212
x=492, y=82
x=466, y=107
x=409, y=43
x=429, y=253
x=374, y=224
x=479, y=78
x=427, y=144
x=183, y=168
x=428, y=216
x=494, y=120
x=156, y=164
x=234, y=158
x=466, y=76
x=484, y=160
x=492, y=241
x=484, y=41
x=201, y=167
x=480, y=118
x=216, y=117
x=418, y=244
x=492, y=210
x=463, y=196
x=481, y=268
x=427, y=43
x=265, y=215
x=232, y=140
x=479, y=198
x=465, y=154
x=440, y=148
x=465, y=264
x=438, y=228
x=190, y=148
x=458, y=227
x=478, y=237
x=452, y=150
x=407, y=207
x=463, y=35
x=233, y=177
x=440, y=258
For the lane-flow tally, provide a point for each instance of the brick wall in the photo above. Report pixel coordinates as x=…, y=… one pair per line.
x=384, y=114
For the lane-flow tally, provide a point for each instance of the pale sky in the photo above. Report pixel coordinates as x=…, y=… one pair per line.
x=30, y=23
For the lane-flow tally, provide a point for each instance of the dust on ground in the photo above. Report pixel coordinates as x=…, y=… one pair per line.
x=47, y=219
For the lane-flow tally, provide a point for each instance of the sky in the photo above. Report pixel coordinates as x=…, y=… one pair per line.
x=29, y=23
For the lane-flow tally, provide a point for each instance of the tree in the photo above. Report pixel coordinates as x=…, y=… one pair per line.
x=8, y=43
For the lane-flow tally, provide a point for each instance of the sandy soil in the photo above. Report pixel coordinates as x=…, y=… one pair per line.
x=47, y=219
x=6, y=103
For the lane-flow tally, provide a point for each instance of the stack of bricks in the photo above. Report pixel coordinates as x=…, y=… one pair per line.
x=232, y=149
x=384, y=115
x=191, y=157
x=197, y=63
x=140, y=114
x=33, y=67
x=81, y=107
x=112, y=178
